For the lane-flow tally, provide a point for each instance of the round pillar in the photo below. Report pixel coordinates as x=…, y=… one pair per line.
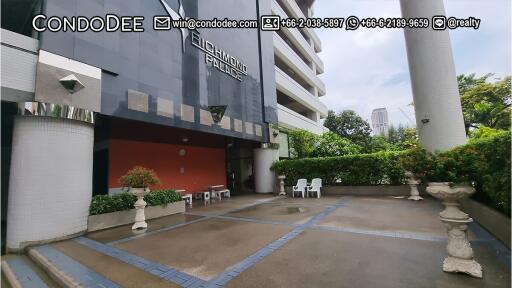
x=264, y=177
x=439, y=119
x=50, y=185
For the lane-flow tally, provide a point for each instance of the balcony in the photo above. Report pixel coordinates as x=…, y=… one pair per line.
x=288, y=86
x=287, y=55
x=296, y=12
x=292, y=120
x=298, y=40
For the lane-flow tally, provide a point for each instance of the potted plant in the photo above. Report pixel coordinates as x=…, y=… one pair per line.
x=139, y=179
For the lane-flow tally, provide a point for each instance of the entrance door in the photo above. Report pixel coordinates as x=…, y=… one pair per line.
x=239, y=166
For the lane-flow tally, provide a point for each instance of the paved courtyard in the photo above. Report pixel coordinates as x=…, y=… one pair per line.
x=263, y=241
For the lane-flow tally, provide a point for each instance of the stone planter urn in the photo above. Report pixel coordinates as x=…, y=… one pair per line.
x=413, y=183
x=281, y=178
x=460, y=253
x=140, y=204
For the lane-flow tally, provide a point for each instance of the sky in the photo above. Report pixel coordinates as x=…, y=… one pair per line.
x=367, y=68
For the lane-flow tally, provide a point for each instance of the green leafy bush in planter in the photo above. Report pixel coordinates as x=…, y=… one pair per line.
x=101, y=204
x=484, y=162
x=139, y=177
x=360, y=169
x=162, y=197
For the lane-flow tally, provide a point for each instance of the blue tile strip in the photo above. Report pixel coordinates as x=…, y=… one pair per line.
x=231, y=272
x=156, y=231
x=155, y=268
x=486, y=239
x=205, y=217
x=77, y=271
x=394, y=234
x=25, y=275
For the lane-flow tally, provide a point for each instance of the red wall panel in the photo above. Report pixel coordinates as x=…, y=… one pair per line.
x=197, y=169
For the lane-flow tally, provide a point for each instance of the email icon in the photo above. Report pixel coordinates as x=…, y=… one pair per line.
x=161, y=23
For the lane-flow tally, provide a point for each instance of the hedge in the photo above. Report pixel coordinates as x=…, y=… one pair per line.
x=492, y=181
x=360, y=169
x=101, y=204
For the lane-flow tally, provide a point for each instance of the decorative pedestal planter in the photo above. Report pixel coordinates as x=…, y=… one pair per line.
x=140, y=204
x=413, y=183
x=281, y=178
x=460, y=253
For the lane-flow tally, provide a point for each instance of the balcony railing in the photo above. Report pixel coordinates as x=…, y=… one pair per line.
x=292, y=89
x=298, y=40
x=293, y=120
x=285, y=53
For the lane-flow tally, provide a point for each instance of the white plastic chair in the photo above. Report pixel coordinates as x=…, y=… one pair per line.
x=315, y=186
x=300, y=187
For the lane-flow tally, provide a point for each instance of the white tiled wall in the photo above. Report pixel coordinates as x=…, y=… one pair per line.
x=50, y=180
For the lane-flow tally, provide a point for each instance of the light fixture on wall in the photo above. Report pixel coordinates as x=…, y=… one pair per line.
x=71, y=83
x=217, y=112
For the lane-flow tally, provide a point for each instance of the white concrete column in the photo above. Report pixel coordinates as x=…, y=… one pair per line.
x=50, y=185
x=264, y=178
x=434, y=83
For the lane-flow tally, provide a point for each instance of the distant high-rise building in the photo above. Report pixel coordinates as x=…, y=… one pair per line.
x=380, y=122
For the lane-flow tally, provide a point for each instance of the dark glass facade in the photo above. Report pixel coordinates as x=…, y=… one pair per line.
x=154, y=63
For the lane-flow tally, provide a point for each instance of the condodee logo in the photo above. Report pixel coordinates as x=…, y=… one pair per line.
x=214, y=56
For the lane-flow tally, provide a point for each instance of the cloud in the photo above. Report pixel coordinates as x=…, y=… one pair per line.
x=367, y=68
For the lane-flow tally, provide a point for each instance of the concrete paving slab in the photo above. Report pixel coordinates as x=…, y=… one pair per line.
x=388, y=214
x=123, y=274
x=324, y=200
x=121, y=232
x=294, y=212
x=333, y=259
x=204, y=249
x=227, y=204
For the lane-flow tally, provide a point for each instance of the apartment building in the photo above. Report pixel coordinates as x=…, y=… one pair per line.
x=297, y=66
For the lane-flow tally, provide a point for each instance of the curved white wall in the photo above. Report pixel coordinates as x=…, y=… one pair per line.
x=50, y=185
x=263, y=177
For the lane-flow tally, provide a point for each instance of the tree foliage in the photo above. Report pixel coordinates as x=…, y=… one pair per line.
x=351, y=126
x=302, y=143
x=485, y=103
x=331, y=144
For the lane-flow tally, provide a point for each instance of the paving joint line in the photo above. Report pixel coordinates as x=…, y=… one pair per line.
x=80, y=273
x=231, y=272
x=172, y=227
x=160, y=270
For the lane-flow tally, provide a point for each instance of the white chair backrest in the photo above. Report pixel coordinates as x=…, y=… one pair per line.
x=316, y=182
x=302, y=183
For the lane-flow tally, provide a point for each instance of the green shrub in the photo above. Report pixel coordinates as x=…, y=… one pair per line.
x=485, y=162
x=101, y=204
x=492, y=180
x=110, y=203
x=162, y=197
x=360, y=169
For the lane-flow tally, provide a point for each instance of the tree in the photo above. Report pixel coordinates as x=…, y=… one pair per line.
x=485, y=103
x=351, y=126
x=403, y=137
x=396, y=135
x=331, y=144
x=302, y=143
x=380, y=143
